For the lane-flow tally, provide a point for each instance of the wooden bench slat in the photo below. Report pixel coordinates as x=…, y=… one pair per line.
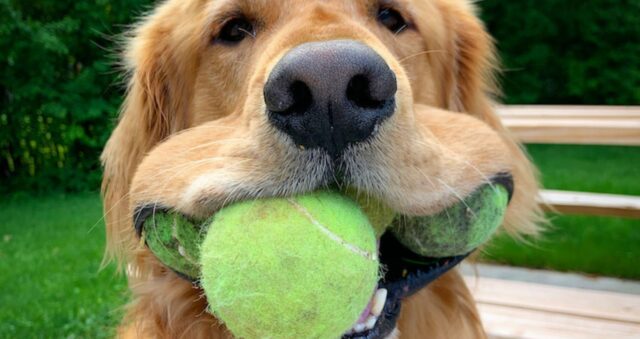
x=602, y=133
x=502, y=322
x=590, y=304
x=516, y=309
x=563, y=112
x=599, y=125
x=591, y=203
x=606, y=124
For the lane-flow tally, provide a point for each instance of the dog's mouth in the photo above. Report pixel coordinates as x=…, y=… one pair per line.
x=405, y=273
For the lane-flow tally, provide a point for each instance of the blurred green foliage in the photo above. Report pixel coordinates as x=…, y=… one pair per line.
x=567, y=52
x=60, y=89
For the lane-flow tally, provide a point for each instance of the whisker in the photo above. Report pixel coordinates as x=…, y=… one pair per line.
x=401, y=29
x=104, y=214
x=215, y=142
x=454, y=192
x=458, y=157
x=247, y=32
x=193, y=163
x=188, y=166
x=431, y=51
x=433, y=185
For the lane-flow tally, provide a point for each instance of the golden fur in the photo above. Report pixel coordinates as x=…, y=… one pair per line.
x=192, y=136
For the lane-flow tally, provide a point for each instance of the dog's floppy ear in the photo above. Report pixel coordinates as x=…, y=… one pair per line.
x=470, y=71
x=155, y=107
x=466, y=81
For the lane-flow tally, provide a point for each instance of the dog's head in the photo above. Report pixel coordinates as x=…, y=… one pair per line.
x=235, y=99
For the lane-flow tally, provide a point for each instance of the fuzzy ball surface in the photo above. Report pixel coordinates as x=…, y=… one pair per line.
x=175, y=241
x=301, y=267
x=458, y=229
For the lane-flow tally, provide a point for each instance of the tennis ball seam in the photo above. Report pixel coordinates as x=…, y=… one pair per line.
x=350, y=247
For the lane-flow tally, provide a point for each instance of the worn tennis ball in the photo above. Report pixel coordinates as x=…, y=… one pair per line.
x=175, y=241
x=458, y=229
x=380, y=215
x=302, y=267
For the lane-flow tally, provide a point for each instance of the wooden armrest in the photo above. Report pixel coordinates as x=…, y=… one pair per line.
x=591, y=203
x=597, y=125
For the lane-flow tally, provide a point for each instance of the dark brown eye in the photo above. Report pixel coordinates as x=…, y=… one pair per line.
x=235, y=30
x=392, y=20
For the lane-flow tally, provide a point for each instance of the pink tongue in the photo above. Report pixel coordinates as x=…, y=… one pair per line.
x=367, y=310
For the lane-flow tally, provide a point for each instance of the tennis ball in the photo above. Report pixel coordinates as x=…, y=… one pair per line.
x=175, y=241
x=458, y=229
x=380, y=215
x=302, y=267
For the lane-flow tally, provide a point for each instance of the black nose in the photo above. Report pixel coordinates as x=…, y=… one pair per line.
x=330, y=94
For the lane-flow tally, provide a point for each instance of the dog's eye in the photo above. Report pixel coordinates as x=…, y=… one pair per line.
x=391, y=19
x=235, y=30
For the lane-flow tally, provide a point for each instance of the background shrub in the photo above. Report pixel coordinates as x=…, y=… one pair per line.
x=60, y=91
x=567, y=52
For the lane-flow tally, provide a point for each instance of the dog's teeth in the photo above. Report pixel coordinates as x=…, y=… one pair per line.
x=371, y=322
x=378, y=302
x=379, y=298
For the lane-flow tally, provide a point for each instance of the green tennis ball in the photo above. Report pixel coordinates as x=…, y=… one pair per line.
x=302, y=267
x=175, y=241
x=458, y=229
x=380, y=215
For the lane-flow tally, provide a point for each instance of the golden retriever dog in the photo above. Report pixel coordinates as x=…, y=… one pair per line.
x=231, y=100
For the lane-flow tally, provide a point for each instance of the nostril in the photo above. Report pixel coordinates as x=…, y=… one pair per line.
x=359, y=92
x=302, y=98
x=286, y=100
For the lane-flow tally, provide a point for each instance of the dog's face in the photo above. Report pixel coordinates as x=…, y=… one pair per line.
x=235, y=99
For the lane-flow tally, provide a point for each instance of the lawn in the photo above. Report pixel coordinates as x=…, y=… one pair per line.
x=50, y=277
x=51, y=247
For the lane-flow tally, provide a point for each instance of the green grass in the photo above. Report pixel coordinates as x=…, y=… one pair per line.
x=598, y=245
x=51, y=285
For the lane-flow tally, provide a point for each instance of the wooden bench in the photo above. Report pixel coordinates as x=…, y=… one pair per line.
x=596, y=125
x=517, y=309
